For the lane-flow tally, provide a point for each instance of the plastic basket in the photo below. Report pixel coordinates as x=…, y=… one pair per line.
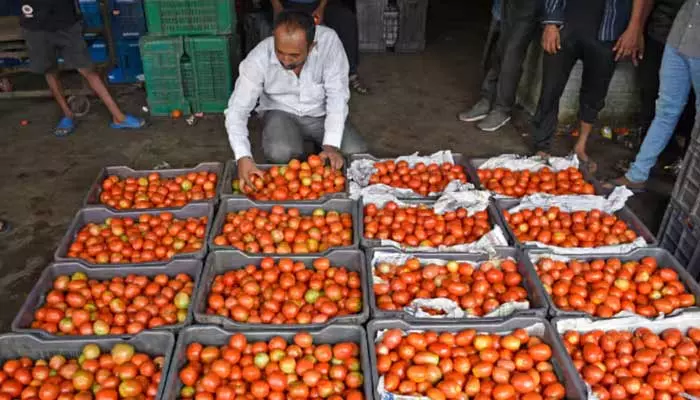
x=370, y=24
x=563, y=366
x=98, y=50
x=190, y=17
x=161, y=69
x=413, y=15
x=37, y=297
x=92, y=17
x=129, y=67
x=215, y=336
x=538, y=302
x=220, y=262
x=210, y=61
x=128, y=18
x=680, y=235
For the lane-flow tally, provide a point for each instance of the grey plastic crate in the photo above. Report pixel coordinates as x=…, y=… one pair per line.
x=222, y=261
x=233, y=204
x=93, y=195
x=588, y=177
x=37, y=297
x=459, y=159
x=16, y=345
x=99, y=214
x=538, y=302
x=370, y=25
x=663, y=258
x=680, y=235
x=563, y=366
x=209, y=335
x=231, y=173
x=494, y=218
x=686, y=191
x=625, y=214
x=413, y=16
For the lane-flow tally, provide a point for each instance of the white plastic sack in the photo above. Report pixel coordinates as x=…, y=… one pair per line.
x=516, y=162
x=360, y=171
x=613, y=203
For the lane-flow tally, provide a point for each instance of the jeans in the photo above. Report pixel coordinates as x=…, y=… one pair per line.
x=284, y=134
x=677, y=75
x=598, y=68
x=343, y=21
x=517, y=29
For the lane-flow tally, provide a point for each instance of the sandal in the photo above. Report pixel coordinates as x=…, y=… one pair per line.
x=65, y=127
x=357, y=85
x=634, y=187
x=130, y=122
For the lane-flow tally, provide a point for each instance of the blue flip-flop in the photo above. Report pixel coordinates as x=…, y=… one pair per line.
x=130, y=122
x=65, y=127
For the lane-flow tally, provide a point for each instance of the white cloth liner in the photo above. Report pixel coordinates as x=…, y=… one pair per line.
x=536, y=329
x=682, y=321
x=472, y=201
x=517, y=162
x=360, y=171
x=451, y=309
x=613, y=203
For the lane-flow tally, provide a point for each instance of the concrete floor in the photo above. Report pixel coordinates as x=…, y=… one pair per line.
x=413, y=107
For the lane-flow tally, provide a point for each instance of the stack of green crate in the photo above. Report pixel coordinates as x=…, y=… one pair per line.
x=190, y=55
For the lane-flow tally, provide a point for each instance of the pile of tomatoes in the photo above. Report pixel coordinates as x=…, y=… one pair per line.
x=603, y=288
x=286, y=293
x=284, y=230
x=467, y=364
x=150, y=237
x=121, y=373
x=577, y=229
x=478, y=290
x=274, y=370
x=421, y=178
x=637, y=365
x=154, y=191
x=78, y=305
x=421, y=226
x=523, y=183
x=308, y=180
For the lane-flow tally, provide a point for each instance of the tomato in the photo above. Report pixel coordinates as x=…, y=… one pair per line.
x=421, y=178
x=504, y=181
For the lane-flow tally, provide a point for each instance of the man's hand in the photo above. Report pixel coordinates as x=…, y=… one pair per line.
x=276, y=7
x=630, y=44
x=318, y=14
x=333, y=156
x=551, y=42
x=246, y=170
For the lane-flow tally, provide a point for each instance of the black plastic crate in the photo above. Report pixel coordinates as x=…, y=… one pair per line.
x=413, y=16
x=538, y=300
x=370, y=24
x=222, y=261
x=215, y=336
x=680, y=235
x=686, y=191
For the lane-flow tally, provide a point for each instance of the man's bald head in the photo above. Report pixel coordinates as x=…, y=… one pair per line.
x=294, y=37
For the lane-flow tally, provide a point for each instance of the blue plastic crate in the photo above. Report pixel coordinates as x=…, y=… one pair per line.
x=98, y=50
x=128, y=18
x=129, y=68
x=92, y=18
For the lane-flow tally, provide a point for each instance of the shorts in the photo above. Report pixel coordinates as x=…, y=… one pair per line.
x=46, y=47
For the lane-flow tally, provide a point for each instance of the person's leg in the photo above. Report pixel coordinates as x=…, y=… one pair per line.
x=492, y=60
x=598, y=69
x=344, y=22
x=313, y=128
x=56, y=88
x=675, y=83
x=555, y=74
x=281, y=137
x=98, y=85
x=648, y=81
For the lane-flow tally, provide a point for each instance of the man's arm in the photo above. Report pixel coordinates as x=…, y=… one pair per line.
x=553, y=12
x=320, y=11
x=631, y=42
x=277, y=6
x=335, y=83
x=249, y=86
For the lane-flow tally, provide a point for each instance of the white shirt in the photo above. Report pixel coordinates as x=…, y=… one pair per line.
x=321, y=89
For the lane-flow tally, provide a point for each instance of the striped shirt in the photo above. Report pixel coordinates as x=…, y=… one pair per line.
x=615, y=17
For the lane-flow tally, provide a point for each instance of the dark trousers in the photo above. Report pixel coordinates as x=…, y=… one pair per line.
x=517, y=27
x=648, y=81
x=598, y=68
x=343, y=21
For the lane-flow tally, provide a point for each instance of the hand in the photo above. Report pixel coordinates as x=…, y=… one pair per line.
x=318, y=14
x=276, y=7
x=551, y=42
x=246, y=170
x=630, y=44
x=333, y=156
